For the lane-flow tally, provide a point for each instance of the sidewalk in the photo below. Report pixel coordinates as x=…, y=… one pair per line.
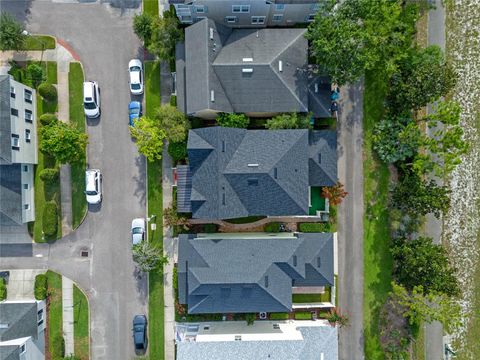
x=67, y=304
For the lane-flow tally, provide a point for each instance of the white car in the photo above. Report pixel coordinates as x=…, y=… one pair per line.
x=135, y=70
x=91, y=99
x=93, y=186
x=138, y=230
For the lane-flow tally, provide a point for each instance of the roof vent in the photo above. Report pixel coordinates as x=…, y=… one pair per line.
x=319, y=158
x=294, y=260
x=252, y=165
x=247, y=70
x=3, y=326
x=212, y=96
x=266, y=281
x=211, y=33
x=247, y=59
x=275, y=173
x=319, y=262
x=321, y=356
x=316, y=88
x=280, y=65
x=223, y=145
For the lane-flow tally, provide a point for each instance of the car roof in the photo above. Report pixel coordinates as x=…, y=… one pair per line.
x=88, y=89
x=134, y=62
x=139, y=222
x=90, y=179
x=135, y=77
x=139, y=319
x=134, y=105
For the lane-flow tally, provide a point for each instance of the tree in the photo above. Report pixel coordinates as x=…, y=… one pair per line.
x=422, y=78
x=173, y=122
x=420, y=262
x=149, y=137
x=63, y=141
x=165, y=35
x=233, y=120
x=35, y=73
x=289, y=121
x=48, y=92
x=357, y=35
x=148, y=257
x=11, y=33
x=335, y=317
x=421, y=307
x=172, y=218
x=178, y=151
x=142, y=26
x=335, y=194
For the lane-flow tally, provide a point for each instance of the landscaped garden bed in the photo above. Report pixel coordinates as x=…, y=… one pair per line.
x=313, y=298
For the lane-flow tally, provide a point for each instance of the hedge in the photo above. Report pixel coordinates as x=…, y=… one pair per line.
x=175, y=282
x=47, y=119
x=50, y=218
x=279, y=316
x=314, y=227
x=177, y=150
x=273, y=227
x=49, y=175
x=210, y=228
x=173, y=100
x=3, y=289
x=41, y=287
x=303, y=316
x=58, y=347
x=48, y=92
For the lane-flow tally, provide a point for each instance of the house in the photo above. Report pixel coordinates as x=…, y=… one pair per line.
x=251, y=272
x=18, y=151
x=247, y=13
x=259, y=72
x=22, y=327
x=280, y=340
x=236, y=173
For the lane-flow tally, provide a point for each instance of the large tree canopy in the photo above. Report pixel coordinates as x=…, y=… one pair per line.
x=149, y=137
x=173, y=122
x=165, y=33
x=63, y=141
x=289, y=121
x=11, y=33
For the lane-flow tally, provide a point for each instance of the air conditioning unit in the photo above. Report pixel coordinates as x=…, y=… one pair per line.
x=262, y=315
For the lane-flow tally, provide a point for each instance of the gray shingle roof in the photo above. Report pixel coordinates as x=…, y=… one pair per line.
x=11, y=193
x=5, y=121
x=239, y=172
x=316, y=340
x=21, y=319
x=254, y=273
x=10, y=352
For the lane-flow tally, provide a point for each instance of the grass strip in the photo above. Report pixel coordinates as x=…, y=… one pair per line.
x=39, y=42
x=81, y=324
x=150, y=7
x=55, y=315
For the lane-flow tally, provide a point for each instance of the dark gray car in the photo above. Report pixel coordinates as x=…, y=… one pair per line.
x=140, y=332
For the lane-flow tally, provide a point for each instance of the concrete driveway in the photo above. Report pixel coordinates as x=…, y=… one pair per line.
x=102, y=37
x=21, y=284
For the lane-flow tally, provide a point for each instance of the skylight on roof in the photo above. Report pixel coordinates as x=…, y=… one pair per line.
x=247, y=70
x=247, y=59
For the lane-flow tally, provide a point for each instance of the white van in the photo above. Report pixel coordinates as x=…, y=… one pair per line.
x=91, y=99
x=93, y=186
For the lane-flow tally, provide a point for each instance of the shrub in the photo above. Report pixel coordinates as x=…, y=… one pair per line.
x=175, y=282
x=47, y=119
x=35, y=73
x=210, y=228
x=279, y=316
x=303, y=315
x=314, y=227
x=273, y=227
x=50, y=218
x=177, y=150
x=48, y=92
x=3, y=289
x=173, y=100
x=233, y=120
x=250, y=318
x=49, y=175
x=58, y=347
x=41, y=287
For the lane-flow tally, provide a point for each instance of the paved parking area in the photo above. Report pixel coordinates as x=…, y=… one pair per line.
x=21, y=284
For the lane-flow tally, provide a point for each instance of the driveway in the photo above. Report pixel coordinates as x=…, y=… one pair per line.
x=102, y=37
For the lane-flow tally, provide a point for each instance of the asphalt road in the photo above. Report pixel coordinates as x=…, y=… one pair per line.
x=102, y=36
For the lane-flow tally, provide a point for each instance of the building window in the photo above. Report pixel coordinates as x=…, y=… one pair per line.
x=23, y=348
x=28, y=96
x=199, y=18
x=14, y=112
x=277, y=17
x=25, y=186
x=25, y=168
x=12, y=92
x=182, y=7
x=200, y=9
x=186, y=18
x=40, y=315
x=231, y=19
x=279, y=7
x=28, y=136
x=245, y=9
x=28, y=116
x=310, y=18
x=26, y=206
x=15, y=142
x=258, y=20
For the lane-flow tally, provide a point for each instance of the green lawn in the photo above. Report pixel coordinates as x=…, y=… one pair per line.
x=317, y=201
x=150, y=7
x=312, y=298
x=55, y=310
x=39, y=42
x=377, y=258
x=77, y=117
x=81, y=324
x=155, y=207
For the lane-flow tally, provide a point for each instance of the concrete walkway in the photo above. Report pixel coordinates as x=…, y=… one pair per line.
x=67, y=304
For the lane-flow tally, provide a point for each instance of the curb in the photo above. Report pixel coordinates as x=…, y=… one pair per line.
x=65, y=45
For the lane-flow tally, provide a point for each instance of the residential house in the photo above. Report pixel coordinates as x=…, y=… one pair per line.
x=259, y=72
x=251, y=272
x=22, y=327
x=18, y=151
x=247, y=13
x=234, y=173
x=279, y=340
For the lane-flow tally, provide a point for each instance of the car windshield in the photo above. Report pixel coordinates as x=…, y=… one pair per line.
x=134, y=111
x=135, y=68
x=136, y=86
x=91, y=192
x=89, y=105
x=137, y=230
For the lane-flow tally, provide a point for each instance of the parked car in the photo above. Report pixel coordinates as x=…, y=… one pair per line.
x=93, y=186
x=136, y=76
x=91, y=99
x=138, y=230
x=140, y=332
x=134, y=111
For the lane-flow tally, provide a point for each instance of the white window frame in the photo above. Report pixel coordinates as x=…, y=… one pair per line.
x=26, y=206
x=182, y=7
x=28, y=114
x=240, y=9
x=12, y=92
x=258, y=20
x=25, y=186
x=277, y=17
x=28, y=96
x=231, y=19
x=183, y=20
x=28, y=135
x=279, y=7
x=15, y=141
x=23, y=348
x=200, y=9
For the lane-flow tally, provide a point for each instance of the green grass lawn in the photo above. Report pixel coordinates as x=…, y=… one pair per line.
x=77, y=117
x=312, y=298
x=377, y=258
x=55, y=317
x=155, y=207
x=150, y=7
x=39, y=42
x=81, y=324
x=49, y=72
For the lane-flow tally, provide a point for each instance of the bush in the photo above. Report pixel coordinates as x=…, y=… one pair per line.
x=48, y=92
x=250, y=318
x=173, y=100
x=35, y=73
x=273, y=227
x=175, y=282
x=210, y=228
x=233, y=120
x=49, y=175
x=314, y=227
x=50, y=218
x=41, y=287
x=279, y=316
x=178, y=151
x=58, y=347
x=3, y=289
x=303, y=315
x=47, y=119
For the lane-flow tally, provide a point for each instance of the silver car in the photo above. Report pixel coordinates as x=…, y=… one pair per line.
x=138, y=230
